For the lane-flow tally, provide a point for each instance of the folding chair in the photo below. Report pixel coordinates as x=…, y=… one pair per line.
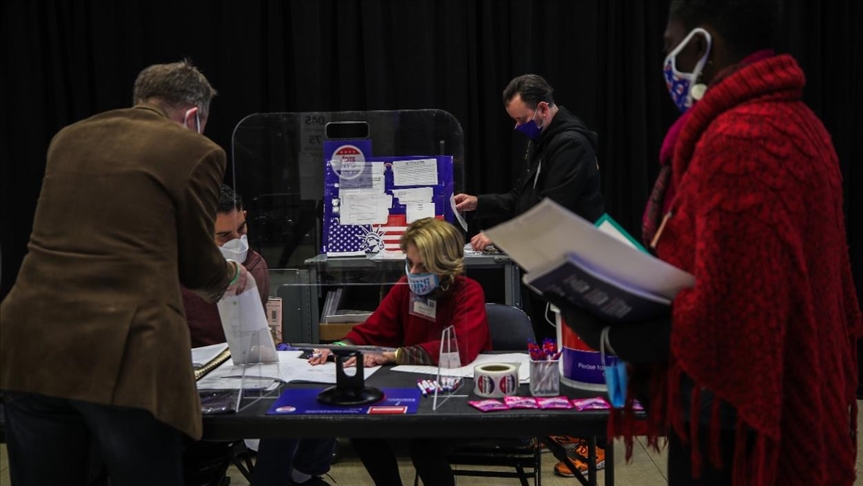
x=510, y=330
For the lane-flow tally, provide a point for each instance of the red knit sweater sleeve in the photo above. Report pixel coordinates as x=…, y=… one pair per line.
x=385, y=327
x=391, y=324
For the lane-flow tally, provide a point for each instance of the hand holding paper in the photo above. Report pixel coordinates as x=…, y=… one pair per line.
x=241, y=281
x=465, y=202
x=565, y=255
x=246, y=327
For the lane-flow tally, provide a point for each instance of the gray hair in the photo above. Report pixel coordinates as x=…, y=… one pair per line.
x=177, y=84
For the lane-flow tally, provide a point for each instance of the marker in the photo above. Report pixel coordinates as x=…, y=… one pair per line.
x=423, y=390
x=428, y=386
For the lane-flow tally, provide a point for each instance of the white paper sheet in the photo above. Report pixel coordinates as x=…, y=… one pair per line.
x=469, y=251
x=609, y=229
x=246, y=327
x=419, y=172
x=290, y=368
x=364, y=208
x=458, y=215
x=415, y=195
x=417, y=211
x=522, y=360
x=377, y=177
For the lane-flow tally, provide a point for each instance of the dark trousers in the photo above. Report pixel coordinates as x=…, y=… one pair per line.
x=277, y=458
x=50, y=440
x=680, y=459
x=428, y=456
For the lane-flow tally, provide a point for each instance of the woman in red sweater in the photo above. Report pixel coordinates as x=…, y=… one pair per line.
x=432, y=296
x=755, y=370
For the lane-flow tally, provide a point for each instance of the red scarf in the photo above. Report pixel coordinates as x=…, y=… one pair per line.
x=663, y=190
x=772, y=323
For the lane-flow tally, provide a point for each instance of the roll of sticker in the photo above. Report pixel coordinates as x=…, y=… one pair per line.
x=495, y=380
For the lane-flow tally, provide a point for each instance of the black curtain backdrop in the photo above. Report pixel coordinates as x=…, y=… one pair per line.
x=63, y=61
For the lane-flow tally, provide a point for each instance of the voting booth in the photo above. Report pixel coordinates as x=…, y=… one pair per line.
x=292, y=170
x=327, y=192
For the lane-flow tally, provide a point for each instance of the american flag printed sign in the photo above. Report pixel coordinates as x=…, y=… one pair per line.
x=352, y=239
x=393, y=231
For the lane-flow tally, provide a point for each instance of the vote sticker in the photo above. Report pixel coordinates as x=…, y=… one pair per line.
x=508, y=385
x=485, y=384
x=348, y=162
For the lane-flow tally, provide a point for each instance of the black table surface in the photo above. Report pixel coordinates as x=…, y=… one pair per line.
x=454, y=418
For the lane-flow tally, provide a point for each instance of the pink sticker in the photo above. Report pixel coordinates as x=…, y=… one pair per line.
x=553, y=402
x=520, y=402
x=597, y=403
x=489, y=405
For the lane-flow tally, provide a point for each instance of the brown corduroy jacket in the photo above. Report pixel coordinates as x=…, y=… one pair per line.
x=125, y=214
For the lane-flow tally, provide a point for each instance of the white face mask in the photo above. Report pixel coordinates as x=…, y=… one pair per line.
x=236, y=249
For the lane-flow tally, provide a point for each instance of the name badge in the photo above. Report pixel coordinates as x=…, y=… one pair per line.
x=422, y=307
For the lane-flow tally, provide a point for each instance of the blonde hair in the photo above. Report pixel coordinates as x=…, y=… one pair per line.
x=440, y=245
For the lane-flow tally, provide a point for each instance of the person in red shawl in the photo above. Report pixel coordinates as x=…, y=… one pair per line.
x=432, y=296
x=753, y=375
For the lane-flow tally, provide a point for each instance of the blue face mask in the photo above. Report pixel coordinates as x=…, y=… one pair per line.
x=421, y=283
x=530, y=128
x=616, y=374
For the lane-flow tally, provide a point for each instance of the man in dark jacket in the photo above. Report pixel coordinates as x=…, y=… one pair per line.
x=560, y=162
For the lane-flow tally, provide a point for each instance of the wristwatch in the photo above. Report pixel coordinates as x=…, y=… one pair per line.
x=398, y=355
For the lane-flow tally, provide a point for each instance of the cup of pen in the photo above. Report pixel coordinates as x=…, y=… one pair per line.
x=544, y=368
x=545, y=377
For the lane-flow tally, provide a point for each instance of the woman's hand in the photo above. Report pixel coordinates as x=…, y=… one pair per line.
x=319, y=356
x=376, y=359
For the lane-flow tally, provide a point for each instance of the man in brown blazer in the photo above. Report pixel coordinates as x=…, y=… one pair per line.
x=93, y=339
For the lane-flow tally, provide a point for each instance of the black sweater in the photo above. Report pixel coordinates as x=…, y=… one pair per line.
x=565, y=158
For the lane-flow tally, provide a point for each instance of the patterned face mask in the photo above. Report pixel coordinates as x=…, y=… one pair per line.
x=421, y=283
x=682, y=86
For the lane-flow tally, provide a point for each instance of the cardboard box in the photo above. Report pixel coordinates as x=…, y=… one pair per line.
x=333, y=331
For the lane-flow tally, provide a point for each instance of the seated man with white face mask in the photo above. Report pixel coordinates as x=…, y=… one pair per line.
x=205, y=326
x=277, y=458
